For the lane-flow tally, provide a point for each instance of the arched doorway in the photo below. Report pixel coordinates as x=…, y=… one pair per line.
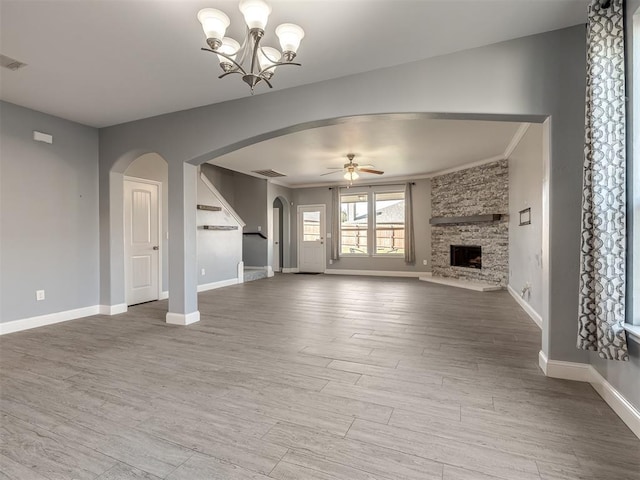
x=145, y=229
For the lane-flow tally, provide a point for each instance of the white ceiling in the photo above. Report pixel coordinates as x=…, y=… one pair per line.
x=402, y=148
x=104, y=62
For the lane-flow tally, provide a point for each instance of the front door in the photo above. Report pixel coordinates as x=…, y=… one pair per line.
x=311, y=235
x=141, y=233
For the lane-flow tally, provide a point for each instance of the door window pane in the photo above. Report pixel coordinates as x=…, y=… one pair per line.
x=311, y=226
x=389, y=223
x=353, y=224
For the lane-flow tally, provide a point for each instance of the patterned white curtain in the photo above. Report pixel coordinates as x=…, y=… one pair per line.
x=603, y=249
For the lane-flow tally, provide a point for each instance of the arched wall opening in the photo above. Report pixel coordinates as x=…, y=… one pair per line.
x=146, y=165
x=153, y=167
x=527, y=79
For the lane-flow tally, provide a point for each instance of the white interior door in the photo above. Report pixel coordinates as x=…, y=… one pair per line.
x=311, y=235
x=141, y=233
x=276, y=239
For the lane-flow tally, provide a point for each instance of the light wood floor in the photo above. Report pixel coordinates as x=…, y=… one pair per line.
x=304, y=377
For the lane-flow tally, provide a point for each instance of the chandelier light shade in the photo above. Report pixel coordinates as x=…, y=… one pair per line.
x=251, y=60
x=214, y=23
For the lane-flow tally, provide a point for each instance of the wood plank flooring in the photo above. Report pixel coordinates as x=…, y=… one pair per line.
x=304, y=377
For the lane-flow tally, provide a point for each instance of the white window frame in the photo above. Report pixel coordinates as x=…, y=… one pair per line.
x=371, y=192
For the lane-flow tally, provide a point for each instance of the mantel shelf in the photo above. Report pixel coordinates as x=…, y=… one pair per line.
x=219, y=227
x=210, y=208
x=492, y=217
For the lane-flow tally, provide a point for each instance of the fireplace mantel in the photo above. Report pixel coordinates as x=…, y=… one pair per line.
x=492, y=217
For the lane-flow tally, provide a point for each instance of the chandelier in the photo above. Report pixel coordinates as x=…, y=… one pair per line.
x=251, y=60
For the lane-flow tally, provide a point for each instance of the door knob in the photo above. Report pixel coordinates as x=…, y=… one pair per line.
x=156, y=247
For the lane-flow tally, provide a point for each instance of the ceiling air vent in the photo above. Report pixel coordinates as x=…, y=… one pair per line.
x=11, y=63
x=269, y=173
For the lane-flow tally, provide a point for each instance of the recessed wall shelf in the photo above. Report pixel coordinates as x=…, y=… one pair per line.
x=260, y=234
x=210, y=208
x=220, y=227
x=492, y=217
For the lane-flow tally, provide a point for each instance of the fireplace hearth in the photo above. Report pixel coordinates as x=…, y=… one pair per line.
x=468, y=256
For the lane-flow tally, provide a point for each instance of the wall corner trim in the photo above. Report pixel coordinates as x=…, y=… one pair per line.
x=48, y=319
x=583, y=372
x=113, y=309
x=182, y=318
x=535, y=316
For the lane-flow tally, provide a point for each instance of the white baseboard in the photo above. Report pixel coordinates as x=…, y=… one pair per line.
x=49, y=319
x=627, y=412
x=525, y=306
x=222, y=283
x=582, y=372
x=460, y=283
x=373, y=273
x=182, y=318
x=269, y=271
x=113, y=309
x=163, y=295
x=289, y=270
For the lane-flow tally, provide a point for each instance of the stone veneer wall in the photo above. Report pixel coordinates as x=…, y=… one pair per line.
x=475, y=191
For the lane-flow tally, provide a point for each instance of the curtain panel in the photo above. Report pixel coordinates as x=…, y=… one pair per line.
x=409, y=236
x=335, y=223
x=601, y=312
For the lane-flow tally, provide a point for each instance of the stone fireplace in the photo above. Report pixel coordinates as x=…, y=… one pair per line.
x=469, y=225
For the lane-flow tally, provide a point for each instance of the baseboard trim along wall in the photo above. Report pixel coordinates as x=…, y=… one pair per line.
x=182, y=318
x=222, y=283
x=374, y=273
x=49, y=319
x=58, y=317
x=289, y=270
x=525, y=306
x=582, y=372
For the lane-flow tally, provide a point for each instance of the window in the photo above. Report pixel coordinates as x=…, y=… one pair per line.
x=372, y=223
x=354, y=224
x=389, y=222
x=310, y=226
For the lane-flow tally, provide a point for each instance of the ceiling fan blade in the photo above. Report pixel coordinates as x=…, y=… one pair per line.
x=368, y=170
x=334, y=168
x=330, y=173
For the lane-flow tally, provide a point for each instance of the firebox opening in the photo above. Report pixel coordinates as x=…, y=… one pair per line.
x=469, y=256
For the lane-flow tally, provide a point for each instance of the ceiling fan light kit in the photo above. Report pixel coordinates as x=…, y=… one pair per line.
x=351, y=169
x=254, y=62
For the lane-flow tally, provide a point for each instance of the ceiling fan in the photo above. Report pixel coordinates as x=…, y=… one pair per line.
x=352, y=169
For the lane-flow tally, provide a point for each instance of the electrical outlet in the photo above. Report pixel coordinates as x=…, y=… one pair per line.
x=259, y=228
x=331, y=261
x=424, y=262
x=39, y=295
x=202, y=272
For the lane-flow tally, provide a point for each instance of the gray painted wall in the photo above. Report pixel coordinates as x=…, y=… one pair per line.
x=525, y=79
x=48, y=214
x=421, y=216
x=219, y=252
x=153, y=167
x=525, y=242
